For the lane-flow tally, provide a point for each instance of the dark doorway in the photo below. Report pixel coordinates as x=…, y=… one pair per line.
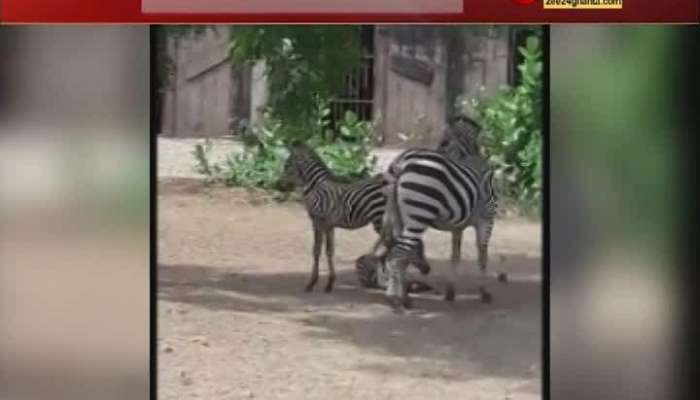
x=358, y=89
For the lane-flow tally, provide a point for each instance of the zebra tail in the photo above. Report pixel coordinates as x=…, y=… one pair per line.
x=392, y=224
x=394, y=170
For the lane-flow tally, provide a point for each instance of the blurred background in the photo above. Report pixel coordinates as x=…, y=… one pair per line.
x=620, y=120
x=74, y=210
x=74, y=235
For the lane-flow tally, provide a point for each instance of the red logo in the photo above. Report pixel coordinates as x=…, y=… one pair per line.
x=524, y=2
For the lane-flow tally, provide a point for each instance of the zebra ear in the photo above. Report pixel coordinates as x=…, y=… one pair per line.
x=455, y=119
x=467, y=125
x=295, y=146
x=476, y=129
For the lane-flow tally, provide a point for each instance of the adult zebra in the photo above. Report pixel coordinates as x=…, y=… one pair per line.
x=428, y=189
x=459, y=143
x=332, y=204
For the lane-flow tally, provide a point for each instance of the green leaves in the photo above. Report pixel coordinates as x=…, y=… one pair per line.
x=303, y=63
x=305, y=66
x=512, y=129
x=348, y=155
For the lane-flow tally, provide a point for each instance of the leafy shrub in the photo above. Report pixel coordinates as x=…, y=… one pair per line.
x=202, y=164
x=512, y=131
x=303, y=66
x=345, y=150
x=347, y=154
x=302, y=63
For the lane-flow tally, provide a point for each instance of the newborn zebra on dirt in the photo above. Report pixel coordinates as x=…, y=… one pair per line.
x=332, y=204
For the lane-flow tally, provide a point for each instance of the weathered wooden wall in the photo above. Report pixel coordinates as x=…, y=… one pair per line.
x=410, y=92
x=487, y=62
x=206, y=92
x=417, y=73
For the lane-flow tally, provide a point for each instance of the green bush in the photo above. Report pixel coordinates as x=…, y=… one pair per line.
x=303, y=66
x=345, y=150
x=348, y=154
x=512, y=131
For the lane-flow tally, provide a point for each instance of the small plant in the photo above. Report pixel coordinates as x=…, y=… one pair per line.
x=201, y=154
x=348, y=156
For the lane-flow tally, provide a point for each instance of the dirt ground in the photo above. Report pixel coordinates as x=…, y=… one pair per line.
x=234, y=322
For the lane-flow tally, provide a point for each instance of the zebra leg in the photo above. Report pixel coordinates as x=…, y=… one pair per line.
x=379, y=244
x=454, y=263
x=396, y=286
x=330, y=247
x=318, y=243
x=380, y=228
x=419, y=260
x=483, y=236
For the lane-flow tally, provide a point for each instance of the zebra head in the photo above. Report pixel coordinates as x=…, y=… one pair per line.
x=460, y=139
x=302, y=168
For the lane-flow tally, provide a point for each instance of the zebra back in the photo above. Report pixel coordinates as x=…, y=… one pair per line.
x=476, y=169
x=342, y=204
x=460, y=143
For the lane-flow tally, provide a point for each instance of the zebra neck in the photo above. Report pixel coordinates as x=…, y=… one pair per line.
x=315, y=176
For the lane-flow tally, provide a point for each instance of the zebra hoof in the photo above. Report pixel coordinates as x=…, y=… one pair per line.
x=329, y=288
x=502, y=277
x=423, y=267
x=366, y=270
x=418, y=287
x=486, y=297
x=396, y=304
x=407, y=302
x=450, y=294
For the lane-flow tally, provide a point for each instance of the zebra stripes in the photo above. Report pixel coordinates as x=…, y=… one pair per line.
x=449, y=189
x=331, y=204
x=460, y=139
x=459, y=143
x=432, y=190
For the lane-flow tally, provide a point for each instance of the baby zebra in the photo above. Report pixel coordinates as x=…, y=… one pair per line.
x=332, y=204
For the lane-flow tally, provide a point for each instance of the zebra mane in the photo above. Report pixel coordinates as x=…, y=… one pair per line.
x=301, y=152
x=460, y=139
x=478, y=163
x=460, y=143
x=466, y=122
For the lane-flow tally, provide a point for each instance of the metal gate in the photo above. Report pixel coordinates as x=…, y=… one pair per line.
x=358, y=89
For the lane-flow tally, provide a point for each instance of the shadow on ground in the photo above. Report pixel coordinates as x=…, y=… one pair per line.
x=466, y=337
